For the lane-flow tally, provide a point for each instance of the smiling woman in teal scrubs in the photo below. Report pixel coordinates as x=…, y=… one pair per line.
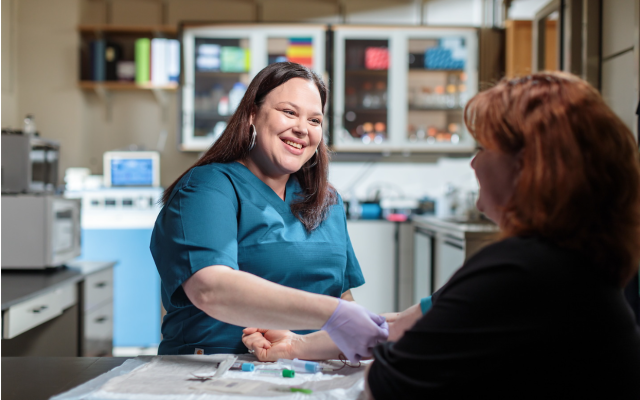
x=255, y=219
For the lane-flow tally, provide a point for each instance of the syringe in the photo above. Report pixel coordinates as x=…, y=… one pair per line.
x=303, y=366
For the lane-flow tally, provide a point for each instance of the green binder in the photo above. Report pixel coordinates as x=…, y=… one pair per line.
x=143, y=53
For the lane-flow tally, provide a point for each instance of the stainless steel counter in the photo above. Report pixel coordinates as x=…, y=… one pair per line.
x=441, y=246
x=460, y=228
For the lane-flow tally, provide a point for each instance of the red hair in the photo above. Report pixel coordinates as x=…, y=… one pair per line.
x=579, y=185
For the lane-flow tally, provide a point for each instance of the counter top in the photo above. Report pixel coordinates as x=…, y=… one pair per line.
x=39, y=378
x=457, y=227
x=22, y=285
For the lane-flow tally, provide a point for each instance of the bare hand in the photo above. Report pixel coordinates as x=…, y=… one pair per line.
x=391, y=317
x=269, y=344
x=403, y=322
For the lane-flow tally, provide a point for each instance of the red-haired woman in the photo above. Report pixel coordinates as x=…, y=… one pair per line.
x=540, y=313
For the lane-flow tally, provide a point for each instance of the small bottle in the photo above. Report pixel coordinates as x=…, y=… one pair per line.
x=246, y=367
x=29, y=125
x=235, y=96
x=223, y=106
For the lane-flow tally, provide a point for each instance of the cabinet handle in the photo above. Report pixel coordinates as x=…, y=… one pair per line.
x=101, y=284
x=39, y=309
x=100, y=320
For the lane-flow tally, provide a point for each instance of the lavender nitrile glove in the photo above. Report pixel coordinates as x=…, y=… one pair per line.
x=355, y=330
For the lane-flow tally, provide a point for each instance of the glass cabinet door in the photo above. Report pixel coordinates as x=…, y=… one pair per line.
x=220, y=63
x=437, y=91
x=217, y=73
x=365, y=90
x=361, y=82
x=399, y=89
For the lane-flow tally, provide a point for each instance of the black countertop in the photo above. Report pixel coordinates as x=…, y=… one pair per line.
x=21, y=285
x=37, y=378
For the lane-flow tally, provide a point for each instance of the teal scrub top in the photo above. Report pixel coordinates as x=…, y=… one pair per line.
x=222, y=214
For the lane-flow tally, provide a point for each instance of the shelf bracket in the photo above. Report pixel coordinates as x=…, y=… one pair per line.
x=163, y=101
x=105, y=96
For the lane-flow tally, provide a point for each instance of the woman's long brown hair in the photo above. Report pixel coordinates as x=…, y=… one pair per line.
x=312, y=206
x=579, y=186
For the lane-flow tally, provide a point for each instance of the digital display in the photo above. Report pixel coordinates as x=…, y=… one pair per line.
x=132, y=172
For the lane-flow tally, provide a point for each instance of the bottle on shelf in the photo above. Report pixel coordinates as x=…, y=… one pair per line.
x=223, y=106
x=367, y=97
x=351, y=98
x=235, y=96
x=29, y=125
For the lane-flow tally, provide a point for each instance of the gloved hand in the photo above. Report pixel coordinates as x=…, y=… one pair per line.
x=355, y=330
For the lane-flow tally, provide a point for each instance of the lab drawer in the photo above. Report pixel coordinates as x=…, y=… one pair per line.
x=31, y=313
x=98, y=331
x=98, y=288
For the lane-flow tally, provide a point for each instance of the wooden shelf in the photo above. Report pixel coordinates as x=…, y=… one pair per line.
x=126, y=29
x=114, y=85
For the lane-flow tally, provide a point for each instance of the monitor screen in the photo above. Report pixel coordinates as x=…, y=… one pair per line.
x=132, y=172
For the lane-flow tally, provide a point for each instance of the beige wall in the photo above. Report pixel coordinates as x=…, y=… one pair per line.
x=47, y=48
x=9, y=65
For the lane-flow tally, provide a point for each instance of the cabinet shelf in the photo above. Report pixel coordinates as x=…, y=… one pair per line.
x=367, y=110
x=374, y=72
x=210, y=115
x=450, y=109
x=130, y=30
x=114, y=85
x=220, y=74
x=412, y=70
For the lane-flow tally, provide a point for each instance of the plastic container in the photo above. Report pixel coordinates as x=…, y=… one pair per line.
x=235, y=96
x=29, y=125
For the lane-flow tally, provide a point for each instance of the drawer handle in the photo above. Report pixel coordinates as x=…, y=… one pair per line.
x=39, y=309
x=100, y=320
x=101, y=284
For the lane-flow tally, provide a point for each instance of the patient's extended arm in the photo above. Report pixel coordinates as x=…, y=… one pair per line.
x=270, y=345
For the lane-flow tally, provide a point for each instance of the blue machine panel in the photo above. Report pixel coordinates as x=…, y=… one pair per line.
x=136, y=308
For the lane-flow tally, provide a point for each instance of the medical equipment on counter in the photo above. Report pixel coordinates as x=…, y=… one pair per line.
x=285, y=373
x=131, y=168
x=116, y=225
x=168, y=378
x=247, y=367
x=303, y=366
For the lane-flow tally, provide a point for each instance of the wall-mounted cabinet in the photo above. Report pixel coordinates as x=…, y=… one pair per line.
x=402, y=89
x=221, y=60
x=111, y=58
x=129, y=58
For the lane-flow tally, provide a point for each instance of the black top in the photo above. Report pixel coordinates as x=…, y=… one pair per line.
x=520, y=319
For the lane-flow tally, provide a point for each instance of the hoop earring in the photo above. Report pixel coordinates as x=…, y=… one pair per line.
x=315, y=162
x=252, y=129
